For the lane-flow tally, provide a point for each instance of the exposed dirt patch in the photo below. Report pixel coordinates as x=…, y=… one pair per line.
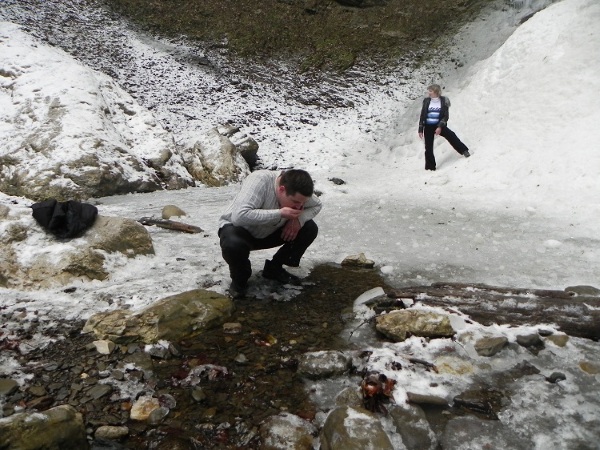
x=322, y=33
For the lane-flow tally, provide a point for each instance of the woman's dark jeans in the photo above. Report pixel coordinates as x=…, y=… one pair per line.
x=449, y=135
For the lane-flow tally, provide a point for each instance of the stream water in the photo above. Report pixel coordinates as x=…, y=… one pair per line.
x=255, y=369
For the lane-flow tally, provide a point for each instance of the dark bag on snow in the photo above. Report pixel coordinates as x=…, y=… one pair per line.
x=64, y=219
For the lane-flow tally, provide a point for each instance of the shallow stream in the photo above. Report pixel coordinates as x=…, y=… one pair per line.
x=260, y=362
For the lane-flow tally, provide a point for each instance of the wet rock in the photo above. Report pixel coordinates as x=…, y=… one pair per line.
x=559, y=340
x=359, y=260
x=167, y=400
x=555, y=377
x=337, y=181
x=157, y=415
x=8, y=386
x=140, y=360
x=198, y=394
x=426, y=399
x=489, y=346
x=118, y=375
x=143, y=407
x=589, y=367
x=353, y=429
x=159, y=350
x=384, y=304
x=411, y=422
x=38, y=391
x=100, y=390
x=104, y=347
x=532, y=342
x=584, y=290
x=401, y=324
x=57, y=428
x=241, y=359
x=323, y=364
x=132, y=347
x=483, y=401
x=232, y=328
x=522, y=369
x=287, y=432
x=350, y=397
x=111, y=432
x=173, y=318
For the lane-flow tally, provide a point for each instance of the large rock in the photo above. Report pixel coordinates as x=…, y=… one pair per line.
x=215, y=160
x=117, y=234
x=245, y=144
x=287, y=432
x=490, y=345
x=59, y=428
x=412, y=424
x=30, y=258
x=324, y=364
x=399, y=325
x=173, y=318
x=359, y=260
x=353, y=429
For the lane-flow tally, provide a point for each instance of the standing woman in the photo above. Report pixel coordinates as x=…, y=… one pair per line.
x=433, y=122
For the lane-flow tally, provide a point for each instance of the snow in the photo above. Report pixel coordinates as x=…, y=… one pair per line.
x=97, y=116
x=522, y=211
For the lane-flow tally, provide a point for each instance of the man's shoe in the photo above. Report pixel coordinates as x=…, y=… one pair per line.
x=466, y=154
x=275, y=272
x=237, y=290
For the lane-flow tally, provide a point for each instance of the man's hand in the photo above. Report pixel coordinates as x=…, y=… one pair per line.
x=420, y=135
x=290, y=230
x=290, y=213
x=438, y=130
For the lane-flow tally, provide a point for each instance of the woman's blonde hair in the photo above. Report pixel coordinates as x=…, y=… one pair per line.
x=435, y=88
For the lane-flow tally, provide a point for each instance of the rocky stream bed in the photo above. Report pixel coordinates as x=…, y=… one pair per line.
x=237, y=385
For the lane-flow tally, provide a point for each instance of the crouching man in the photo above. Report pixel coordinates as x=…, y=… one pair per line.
x=272, y=209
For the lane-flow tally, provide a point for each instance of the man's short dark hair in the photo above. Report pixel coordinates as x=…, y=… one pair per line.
x=297, y=181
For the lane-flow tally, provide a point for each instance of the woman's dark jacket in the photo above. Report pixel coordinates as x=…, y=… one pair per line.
x=444, y=113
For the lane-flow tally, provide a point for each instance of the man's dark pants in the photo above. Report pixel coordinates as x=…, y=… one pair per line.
x=449, y=135
x=237, y=243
